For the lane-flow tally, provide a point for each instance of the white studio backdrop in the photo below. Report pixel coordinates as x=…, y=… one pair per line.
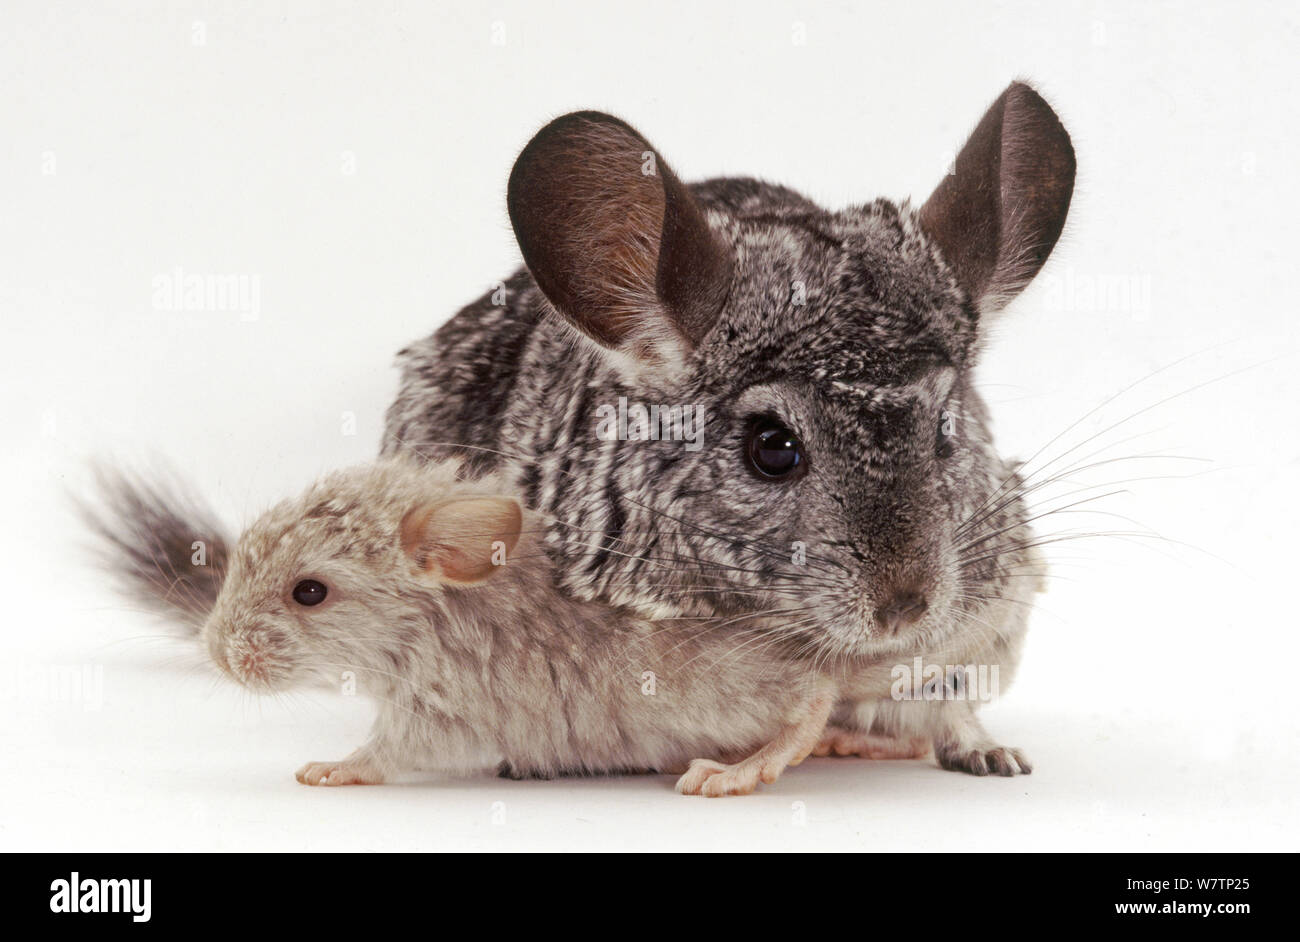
x=348, y=162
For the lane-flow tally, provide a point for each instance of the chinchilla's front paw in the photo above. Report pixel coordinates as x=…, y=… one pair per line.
x=981, y=760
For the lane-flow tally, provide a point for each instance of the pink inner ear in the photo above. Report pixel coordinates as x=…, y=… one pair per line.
x=456, y=539
x=412, y=531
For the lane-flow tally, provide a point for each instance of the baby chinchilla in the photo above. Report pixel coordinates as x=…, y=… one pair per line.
x=433, y=594
x=843, y=474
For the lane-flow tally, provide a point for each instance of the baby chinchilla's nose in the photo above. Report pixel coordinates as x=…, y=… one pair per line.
x=217, y=649
x=905, y=607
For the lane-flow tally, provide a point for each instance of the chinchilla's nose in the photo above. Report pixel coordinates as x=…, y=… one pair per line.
x=904, y=608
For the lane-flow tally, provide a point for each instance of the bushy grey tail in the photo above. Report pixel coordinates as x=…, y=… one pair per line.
x=163, y=547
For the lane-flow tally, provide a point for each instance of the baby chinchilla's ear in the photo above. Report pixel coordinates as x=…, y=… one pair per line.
x=614, y=240
x=997, y=217
x=464, y=540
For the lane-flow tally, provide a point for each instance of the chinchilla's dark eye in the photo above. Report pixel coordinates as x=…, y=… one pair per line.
x=773, y=450
x=309, y=592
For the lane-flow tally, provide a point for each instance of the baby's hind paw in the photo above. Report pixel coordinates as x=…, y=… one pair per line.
x=847, y=742
x=344, y=772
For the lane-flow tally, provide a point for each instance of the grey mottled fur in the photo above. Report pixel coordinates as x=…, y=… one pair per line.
x=883, y=344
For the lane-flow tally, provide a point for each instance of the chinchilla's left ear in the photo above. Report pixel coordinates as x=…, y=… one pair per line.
x=615, y=241
x=997, y=217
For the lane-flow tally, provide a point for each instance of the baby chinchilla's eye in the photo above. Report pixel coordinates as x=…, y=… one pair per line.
x=309, y=592
x=772, y=449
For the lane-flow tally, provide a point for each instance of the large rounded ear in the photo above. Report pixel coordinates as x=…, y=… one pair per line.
x=997, y=217
x=461, y=541
x=614, y=240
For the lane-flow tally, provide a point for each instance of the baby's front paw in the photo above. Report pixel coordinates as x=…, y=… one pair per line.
x=344, y=772
x=1000, y=760
x=716, y=779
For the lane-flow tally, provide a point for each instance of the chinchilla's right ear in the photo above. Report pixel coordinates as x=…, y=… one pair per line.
x=998, y=215
x=615, y=241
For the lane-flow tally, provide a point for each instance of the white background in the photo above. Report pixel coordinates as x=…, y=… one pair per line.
x=1156, y=697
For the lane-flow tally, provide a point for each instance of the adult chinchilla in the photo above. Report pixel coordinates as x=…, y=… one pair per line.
x=844, y=473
